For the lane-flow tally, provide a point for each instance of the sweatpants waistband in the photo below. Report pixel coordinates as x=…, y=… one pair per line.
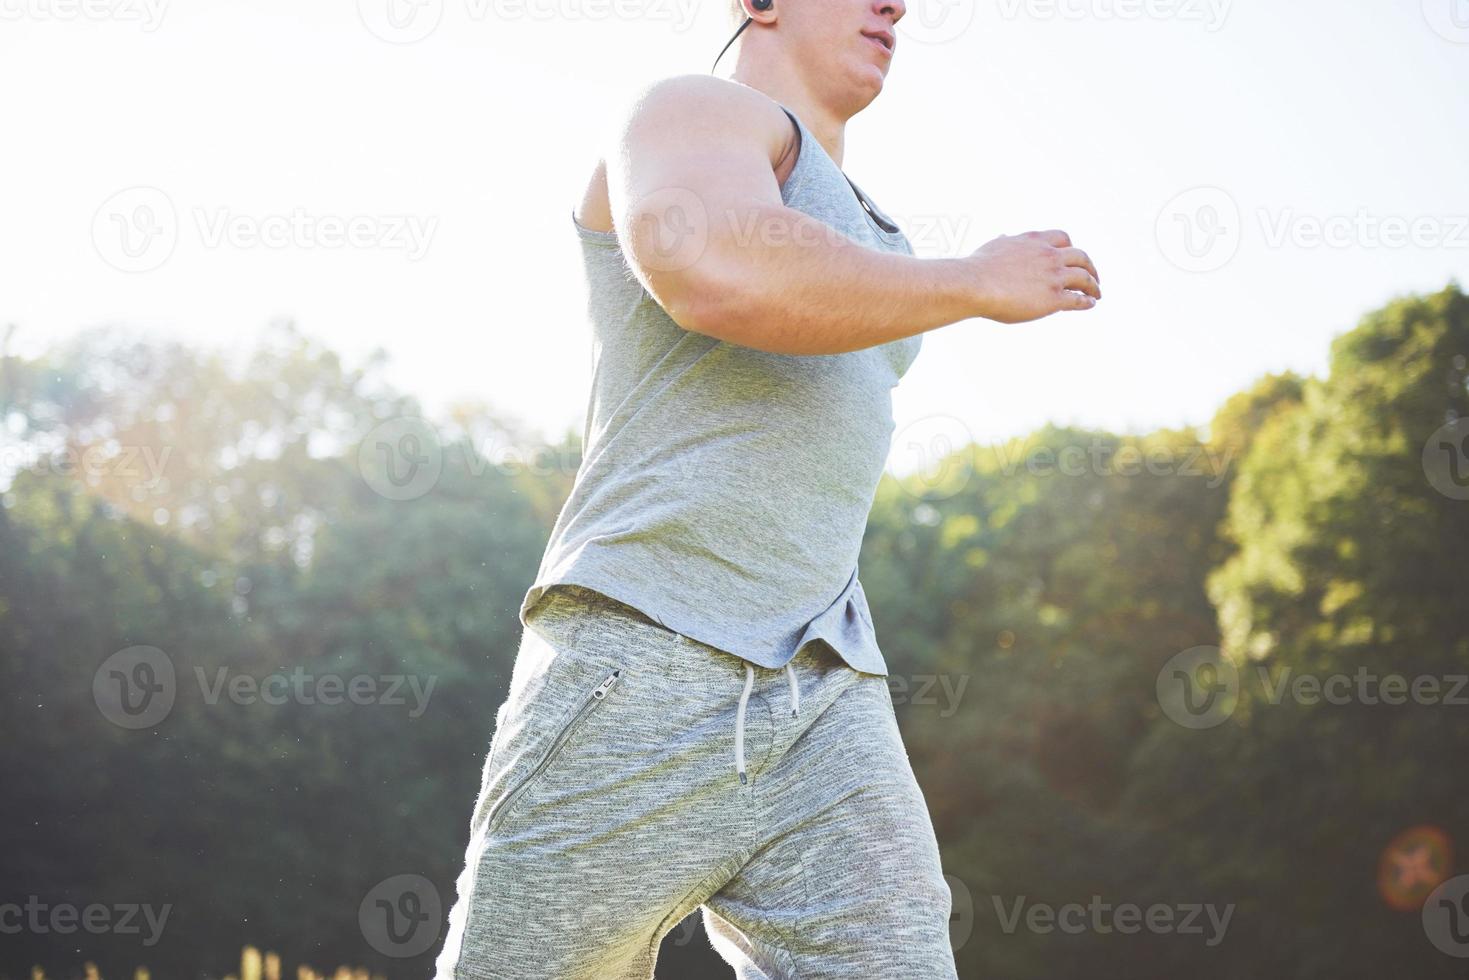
x=569, y=598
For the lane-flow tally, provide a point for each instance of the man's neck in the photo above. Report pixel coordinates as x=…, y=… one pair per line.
x=790, y=90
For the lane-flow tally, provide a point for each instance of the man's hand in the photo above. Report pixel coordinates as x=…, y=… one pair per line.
x=1025, y=277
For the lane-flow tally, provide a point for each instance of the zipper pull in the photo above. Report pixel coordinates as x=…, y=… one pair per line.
x=605, y=686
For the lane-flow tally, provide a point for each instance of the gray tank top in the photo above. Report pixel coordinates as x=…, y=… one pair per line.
x=724, y=491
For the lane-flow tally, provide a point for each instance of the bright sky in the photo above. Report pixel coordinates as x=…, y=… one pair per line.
x=460, y=155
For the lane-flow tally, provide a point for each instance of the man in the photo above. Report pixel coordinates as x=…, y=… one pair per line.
x=752, y=311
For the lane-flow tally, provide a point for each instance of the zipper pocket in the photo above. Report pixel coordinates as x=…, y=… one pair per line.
x=596, y=697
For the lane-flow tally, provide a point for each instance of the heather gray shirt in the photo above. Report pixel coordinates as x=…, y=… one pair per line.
x=724, y=491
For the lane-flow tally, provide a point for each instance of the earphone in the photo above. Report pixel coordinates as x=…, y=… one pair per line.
x=883, y=223
x=760, y=5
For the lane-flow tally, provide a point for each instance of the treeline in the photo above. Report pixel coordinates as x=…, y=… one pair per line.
x=325, y=586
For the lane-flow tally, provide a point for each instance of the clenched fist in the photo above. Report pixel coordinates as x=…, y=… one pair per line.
x=1025, y=277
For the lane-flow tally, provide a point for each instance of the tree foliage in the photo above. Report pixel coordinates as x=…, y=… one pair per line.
x=1027, y=596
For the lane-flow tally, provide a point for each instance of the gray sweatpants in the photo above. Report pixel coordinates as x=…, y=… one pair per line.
x=611, y=807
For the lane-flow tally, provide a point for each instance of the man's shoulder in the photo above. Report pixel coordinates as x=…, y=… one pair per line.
x=705, y=101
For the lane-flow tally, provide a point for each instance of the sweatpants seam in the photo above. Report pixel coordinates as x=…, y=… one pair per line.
x=790, y=943
x=725, y=871
x=769, y=751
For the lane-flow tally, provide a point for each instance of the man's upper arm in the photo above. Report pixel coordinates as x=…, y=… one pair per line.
x=695, y=156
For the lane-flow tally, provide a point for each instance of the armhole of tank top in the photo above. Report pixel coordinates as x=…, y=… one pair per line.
x=591, y=235
x=609, y=238
x=791, y=178
x=894, y=237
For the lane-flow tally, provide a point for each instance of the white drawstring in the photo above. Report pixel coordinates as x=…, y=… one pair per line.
x=740, y=723
x=745, y=702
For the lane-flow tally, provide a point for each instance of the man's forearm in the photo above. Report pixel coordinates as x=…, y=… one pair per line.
x=781, y=281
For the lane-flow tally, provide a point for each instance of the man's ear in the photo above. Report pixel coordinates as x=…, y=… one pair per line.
x=768, y=16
